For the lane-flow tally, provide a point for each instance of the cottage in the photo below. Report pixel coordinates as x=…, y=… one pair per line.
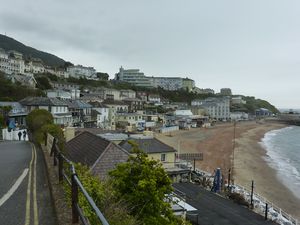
x=99, y=154
x=155, y=149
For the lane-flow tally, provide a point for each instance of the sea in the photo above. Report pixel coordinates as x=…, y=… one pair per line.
x=283, y=155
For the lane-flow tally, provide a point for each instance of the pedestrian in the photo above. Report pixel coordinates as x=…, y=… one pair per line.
x=24, y=135
x=20, y=134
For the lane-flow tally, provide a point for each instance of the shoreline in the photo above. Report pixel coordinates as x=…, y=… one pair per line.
x=251, y=165
x=216, y=144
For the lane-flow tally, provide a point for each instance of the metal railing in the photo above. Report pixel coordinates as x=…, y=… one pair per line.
x=246, y=193
x=76, y=186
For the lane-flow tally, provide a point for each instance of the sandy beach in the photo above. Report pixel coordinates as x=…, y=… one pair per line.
x=217, y=145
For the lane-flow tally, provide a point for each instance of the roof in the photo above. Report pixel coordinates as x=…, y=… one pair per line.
x=114, y=137
x=132, y=100
x=86, y=148
x=77, y=104
x=113, y=102
x=97, y=104
x=42, y=101
x=148, y=146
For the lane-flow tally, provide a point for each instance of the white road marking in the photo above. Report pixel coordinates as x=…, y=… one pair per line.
x=14, y=187
x=27, y=215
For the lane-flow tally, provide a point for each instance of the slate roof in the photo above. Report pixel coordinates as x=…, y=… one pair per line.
x=42, y=101
x=113, y=102
x=86, y=148
x=77, y=104
x=149, y=146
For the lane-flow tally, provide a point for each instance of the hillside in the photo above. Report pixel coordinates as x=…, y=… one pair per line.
x=8, y=43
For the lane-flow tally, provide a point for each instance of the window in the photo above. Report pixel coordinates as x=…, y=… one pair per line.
x=163, y=157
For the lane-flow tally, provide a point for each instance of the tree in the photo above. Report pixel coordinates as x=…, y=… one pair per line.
x=115, y=211
x=102, y=76
x=2, y=121
x=144, y=184
x=36, y=119
x=43, y=83
x=55, y=131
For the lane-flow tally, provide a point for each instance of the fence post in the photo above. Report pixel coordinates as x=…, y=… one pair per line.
x=252, y=187
x=46, y=139
x=266, y=212
x=75, y=216
x=60, y=167
x=55, y=155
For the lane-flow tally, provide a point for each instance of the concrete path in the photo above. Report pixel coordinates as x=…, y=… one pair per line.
x=24, y=192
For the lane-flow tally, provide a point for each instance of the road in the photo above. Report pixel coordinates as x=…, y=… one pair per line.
x=215, y=210
x=24, y=192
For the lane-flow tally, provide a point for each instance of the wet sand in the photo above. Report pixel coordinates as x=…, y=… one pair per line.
x=219, y=148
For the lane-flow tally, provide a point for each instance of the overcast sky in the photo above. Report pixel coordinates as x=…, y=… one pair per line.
x=252, y=47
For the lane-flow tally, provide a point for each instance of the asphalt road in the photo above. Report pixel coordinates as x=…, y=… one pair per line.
x=24, y=192
x=215, y=210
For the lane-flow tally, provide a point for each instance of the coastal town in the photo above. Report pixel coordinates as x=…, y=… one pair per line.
x=200, y=141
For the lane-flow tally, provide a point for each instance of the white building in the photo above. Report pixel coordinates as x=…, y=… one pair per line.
x=56, y=107
x=168, y=83
x=237, y=100
x=80, y=71
x=11, y=62
x=236, y=116
x=133, y=76
x=216, y=108
x=154, y=98
x=127, y=94
x=101, y=113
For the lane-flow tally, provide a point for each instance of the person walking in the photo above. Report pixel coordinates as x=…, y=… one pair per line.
x=20, y=135
x=24, y=135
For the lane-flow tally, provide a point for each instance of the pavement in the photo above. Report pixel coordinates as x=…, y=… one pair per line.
x=216, y=210
x=24, y=192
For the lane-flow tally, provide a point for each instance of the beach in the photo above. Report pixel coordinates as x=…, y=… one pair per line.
x=225, y=143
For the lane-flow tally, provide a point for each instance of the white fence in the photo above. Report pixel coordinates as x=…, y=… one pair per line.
x=13, y=135
x=274, y=212
x=168, y=129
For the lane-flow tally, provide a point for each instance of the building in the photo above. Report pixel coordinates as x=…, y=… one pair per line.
x=64, y=86
x=100, y=113
x=236, y=116
x=111, y=94
x=58, y=109
x=216, y=108
x=262, y=112
x=17, y=113
x=114, y=107
x=237, y=100
x=225, y=91
x=130, y=121
x=168, y=83
x=81, y=113
x=188, y=84
x=133, y=76
x=24, y=79
x=134, y=104
x=142, y=95
x=124, y=94
x=80, y=71
x=155, y=149
x=203, y=90
x=61, y=94
x=152, y=98
x=99, y=154
x=11, y=62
